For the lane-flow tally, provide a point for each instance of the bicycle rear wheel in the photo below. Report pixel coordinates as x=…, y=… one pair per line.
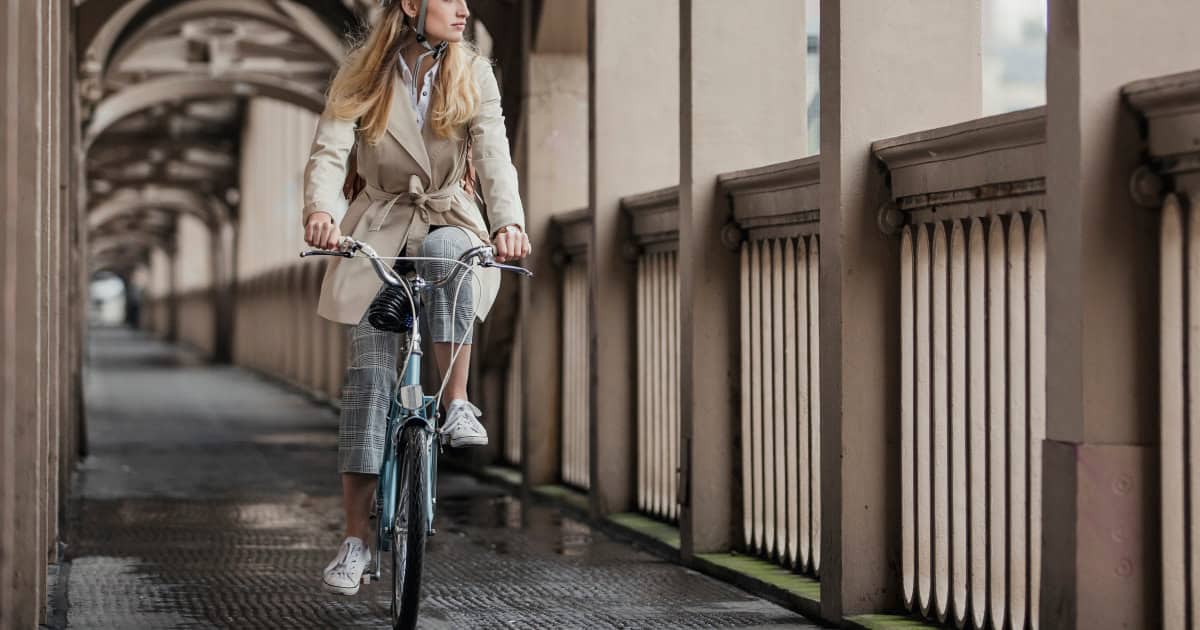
x=411, y=529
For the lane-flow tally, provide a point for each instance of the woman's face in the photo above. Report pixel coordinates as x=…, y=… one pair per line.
x=445, y=20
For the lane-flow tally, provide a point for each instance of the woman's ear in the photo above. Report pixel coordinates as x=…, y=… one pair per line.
x=410, y=8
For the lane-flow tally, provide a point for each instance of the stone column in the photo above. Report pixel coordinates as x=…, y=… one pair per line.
x=223, y=283
x=887, y=68
x=633, y=52
x=171, y=296
x=30, y=312
x=553, y=152
x=737, y=111
x=1100, y=553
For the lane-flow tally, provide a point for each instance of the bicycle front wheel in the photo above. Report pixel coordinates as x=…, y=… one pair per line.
x=411, y=528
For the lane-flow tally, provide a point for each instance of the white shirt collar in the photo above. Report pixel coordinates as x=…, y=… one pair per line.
x=420, y=101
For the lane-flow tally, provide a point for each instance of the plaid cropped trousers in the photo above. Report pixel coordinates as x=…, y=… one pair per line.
x=374, y=354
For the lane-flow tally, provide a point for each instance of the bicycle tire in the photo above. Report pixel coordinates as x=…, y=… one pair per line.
x=408, y=537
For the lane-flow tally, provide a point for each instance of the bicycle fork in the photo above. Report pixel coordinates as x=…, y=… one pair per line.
x=408, y=406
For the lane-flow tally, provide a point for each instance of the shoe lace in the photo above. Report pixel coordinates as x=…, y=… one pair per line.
x=463, y=413
x=348, y=559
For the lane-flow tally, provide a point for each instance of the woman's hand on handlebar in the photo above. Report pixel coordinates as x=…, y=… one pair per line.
x=321, y=232
x=511, y=244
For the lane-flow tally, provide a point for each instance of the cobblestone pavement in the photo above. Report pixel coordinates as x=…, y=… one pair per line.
x=209, y=500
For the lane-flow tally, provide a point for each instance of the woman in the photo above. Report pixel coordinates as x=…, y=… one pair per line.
x=420, y=106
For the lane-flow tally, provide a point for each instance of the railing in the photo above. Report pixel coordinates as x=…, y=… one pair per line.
x=655, y=220
x=973, y=406
x=156, y=315
x=277, y=331
x=1171, y=107
x=776, y=213
x=575, y=234
x=196, y=319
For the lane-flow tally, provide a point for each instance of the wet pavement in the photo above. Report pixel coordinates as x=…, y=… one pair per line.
x=209, y=500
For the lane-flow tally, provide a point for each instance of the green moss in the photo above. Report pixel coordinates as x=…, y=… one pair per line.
x=662, y=532
x=766, y=572
x=574, y=498
x=887, y=622
x=510, y=476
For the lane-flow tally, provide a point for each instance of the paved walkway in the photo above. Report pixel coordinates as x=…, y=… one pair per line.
x=209, y=500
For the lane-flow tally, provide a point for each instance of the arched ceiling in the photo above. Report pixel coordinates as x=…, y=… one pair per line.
x=164, y=85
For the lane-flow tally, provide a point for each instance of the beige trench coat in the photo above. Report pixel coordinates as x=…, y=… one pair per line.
x=413, y=181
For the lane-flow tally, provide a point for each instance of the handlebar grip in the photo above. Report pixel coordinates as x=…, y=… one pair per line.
x=321, y=252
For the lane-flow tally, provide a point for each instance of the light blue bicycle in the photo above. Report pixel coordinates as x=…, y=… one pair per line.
x=405, y=501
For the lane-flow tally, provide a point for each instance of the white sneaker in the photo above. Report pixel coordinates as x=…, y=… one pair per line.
x=462, y=428
x=344, y=574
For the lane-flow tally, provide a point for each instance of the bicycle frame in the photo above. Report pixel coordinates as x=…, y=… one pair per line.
x=409, y=406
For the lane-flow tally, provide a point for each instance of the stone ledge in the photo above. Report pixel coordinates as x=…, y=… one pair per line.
x=1170, y=106
x=775, y=201
x=765, y=578
x=886, y=622
x=969, y=165
x=753, y=575
x=574, y=231
x=649, y=531
x=570, y=498
x=654, y=218
x=510, y=478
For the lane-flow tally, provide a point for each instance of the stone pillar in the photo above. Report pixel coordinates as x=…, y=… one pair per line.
x=1100, y=553
x=33, y=314
x=51, y=270
x=633, y=54
x=27, y=437
x=171, y=296
x=554, y=169
x=737, y=111
x=224, y=237
x=879, y=78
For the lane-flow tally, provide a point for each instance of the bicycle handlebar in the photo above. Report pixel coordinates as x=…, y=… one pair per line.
x=349, y=247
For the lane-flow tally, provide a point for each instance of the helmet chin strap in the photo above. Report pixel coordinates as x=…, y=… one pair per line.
x=430, y=50
x=422, y=13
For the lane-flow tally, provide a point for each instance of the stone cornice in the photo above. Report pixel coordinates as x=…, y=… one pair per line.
x=984, y=160
x=1170, y=106
x=574, y=229
x=778, y=200
x=1165, y=96
x=655, y=218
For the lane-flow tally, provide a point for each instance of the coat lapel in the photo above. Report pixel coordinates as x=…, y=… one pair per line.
x=402, y=124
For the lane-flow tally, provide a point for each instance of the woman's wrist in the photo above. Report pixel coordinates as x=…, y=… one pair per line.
x=510, y=228
x=313, y=215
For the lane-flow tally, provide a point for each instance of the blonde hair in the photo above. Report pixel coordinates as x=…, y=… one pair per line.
x=363, y=88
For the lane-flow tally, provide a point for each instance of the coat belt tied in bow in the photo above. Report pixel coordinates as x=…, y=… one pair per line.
x=425, y=205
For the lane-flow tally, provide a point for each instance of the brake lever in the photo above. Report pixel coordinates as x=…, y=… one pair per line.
x=520, y=270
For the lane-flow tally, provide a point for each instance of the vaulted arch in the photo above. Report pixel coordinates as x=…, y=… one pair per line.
x=172, y=90
x=292, y=17
x=126, y=201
